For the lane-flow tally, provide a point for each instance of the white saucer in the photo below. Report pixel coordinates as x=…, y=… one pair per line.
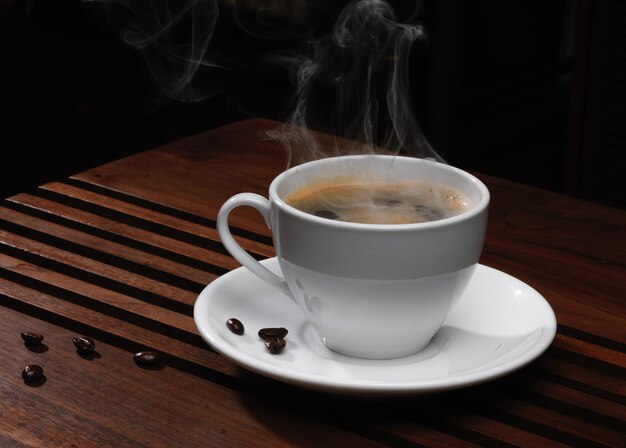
x=499, y=325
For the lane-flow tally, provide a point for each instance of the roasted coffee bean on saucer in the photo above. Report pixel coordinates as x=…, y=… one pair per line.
x=84, y=345
x=278, y=332
x=31, y=338
x=32, y=373
x=235, y=325
x=274, y=344
x=147, y=358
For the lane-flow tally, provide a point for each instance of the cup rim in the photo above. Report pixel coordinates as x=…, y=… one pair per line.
x=476, y=208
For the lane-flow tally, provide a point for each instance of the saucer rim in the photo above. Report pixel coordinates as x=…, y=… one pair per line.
x=367, y=387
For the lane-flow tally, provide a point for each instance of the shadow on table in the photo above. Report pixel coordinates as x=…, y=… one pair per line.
x=386, y=420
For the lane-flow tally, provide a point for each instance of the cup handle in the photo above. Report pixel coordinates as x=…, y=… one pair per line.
x=263, y=206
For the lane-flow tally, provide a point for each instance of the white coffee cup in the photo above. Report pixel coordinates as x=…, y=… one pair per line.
x=375, y=291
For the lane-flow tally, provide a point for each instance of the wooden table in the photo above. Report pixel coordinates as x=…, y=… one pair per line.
x=119, y=253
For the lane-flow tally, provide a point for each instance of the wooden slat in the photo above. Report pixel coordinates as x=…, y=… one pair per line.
x=116, y=228
x=590, y=350
x=99, y=268
x=580, y=402
x=198, y=174
x=163, y=219
x=603, y=383
x=100, y=296
x=38, y=302
x=565, y=428
x=121, y=251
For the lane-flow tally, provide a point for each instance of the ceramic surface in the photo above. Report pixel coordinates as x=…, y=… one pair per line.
x=498, y=325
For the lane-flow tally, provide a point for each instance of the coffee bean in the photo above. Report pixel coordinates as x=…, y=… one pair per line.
x=235, y=325
x=147, y=358
x=280, y=332
x=326, y=214
x=32, y=373
x=32, y=338
x=274, y=344
x=84, y=345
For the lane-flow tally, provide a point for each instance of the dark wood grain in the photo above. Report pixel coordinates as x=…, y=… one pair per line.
x=120, y=252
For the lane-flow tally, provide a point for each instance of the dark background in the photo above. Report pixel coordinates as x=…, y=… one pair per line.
x=532, y=91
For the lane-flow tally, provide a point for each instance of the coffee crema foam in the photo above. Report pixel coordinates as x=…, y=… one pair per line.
x=406, y=202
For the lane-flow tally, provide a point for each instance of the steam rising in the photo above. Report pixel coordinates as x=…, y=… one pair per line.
x=356, y=85
x=353, y=83
x=174, y=39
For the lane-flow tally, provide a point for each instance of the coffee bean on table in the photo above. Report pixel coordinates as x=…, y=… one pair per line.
x=274, y=344
x=235, y=325
x=147, y=358
x=84, y=345
x=278, y=332
x=32, y=373
x=32, y=338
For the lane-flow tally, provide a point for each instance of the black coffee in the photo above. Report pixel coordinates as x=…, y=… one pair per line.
x=379, y=203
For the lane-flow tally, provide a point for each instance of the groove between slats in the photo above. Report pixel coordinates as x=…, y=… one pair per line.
x=116, y=238
x=593, y=363
x=140, y=223
x=166, y=210
x=511, y=390
x=441, y=424
x=543, y=429
x=579, y=386
x=591, y=338
x=104, y=257
x=560, y=406
x=101, y=281
x=103, y=308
